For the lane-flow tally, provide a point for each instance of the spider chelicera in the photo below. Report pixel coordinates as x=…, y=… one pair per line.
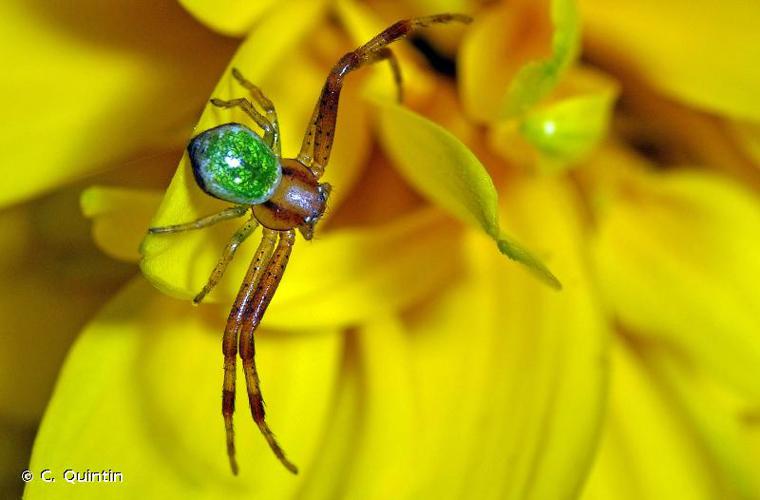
x=232, y=163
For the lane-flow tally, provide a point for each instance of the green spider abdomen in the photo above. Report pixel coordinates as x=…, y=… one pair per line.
x=232, y=163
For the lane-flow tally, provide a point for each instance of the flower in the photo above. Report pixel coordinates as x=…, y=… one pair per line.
x=404, y=356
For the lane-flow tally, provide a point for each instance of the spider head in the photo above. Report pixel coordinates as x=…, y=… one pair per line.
x=298, y=202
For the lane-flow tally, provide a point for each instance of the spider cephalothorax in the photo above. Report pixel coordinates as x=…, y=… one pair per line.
x=233, y=163
x=298, y=202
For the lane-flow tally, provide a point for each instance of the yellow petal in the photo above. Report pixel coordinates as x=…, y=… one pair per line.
x=120, y=216
x=89, y=88
x=511, y=376
x=230, y=17
x=139, y=394
x=442, y=168
x=384, y=449
x=716, y=417
x=647, y=450
x=504, y=72
x=703, y=53
x=675, y=256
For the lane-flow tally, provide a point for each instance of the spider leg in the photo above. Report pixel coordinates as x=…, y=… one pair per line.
x=230, y=340
x=265, y=103
x=227, y=256
x=209, y=220
x=318, y=139
x=271, y=135
x=255, y=309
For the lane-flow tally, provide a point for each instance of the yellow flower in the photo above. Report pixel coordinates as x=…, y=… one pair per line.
x=404, y=356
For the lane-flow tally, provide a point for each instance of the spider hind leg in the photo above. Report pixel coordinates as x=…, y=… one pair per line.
x=232, y=330
x=254, y=311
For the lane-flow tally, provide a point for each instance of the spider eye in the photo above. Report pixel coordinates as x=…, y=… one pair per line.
x=233, y=163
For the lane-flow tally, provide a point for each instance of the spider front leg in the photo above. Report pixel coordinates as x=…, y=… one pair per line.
x=209, y=220
x=254, y=311
x=318, y=139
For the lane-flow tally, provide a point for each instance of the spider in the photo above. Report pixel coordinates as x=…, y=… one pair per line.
x=234, y=164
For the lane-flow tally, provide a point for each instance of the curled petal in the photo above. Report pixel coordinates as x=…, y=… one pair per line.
x=120, y=216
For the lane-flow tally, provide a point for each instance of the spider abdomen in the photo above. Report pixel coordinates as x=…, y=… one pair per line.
x=232, y=163
x=297, y=202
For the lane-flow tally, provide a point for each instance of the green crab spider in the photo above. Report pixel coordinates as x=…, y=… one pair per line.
x=233, y=163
